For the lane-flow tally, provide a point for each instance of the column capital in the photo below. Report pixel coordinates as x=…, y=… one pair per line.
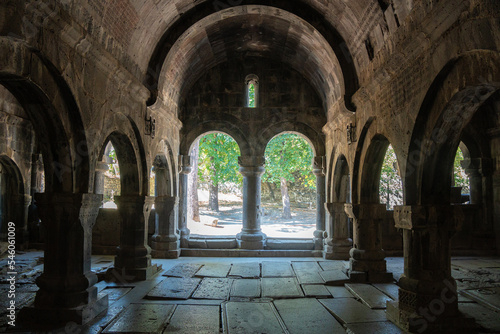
x=166, y=199
x=319, y=165
x=365, y=210
x=101, y=166
x=483, y=166
x=185, y=164
x=251, y=161
x=411, y=217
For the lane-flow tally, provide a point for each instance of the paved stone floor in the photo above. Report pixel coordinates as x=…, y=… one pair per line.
x=258, y=295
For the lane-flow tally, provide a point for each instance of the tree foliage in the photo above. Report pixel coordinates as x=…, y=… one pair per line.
x=459, y=176
x=287, y=156
x=251, y=95
x=391, y=185
x=218, y=159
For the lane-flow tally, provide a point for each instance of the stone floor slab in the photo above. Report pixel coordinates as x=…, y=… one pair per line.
x=385, y=327
x=369, y=295
x=389, y=289
x=213, y=288
x=199, y=319
x=214, y=270
x=315, y=290
x=174, y=288
x=485, y=317
x=113, y=293
x=141, y=318
x=183, y=270
x=332, y=265
x=281, y=287
x=339, y=292
x=306, y=266
x=349, y=311
x=276, y=269
x=307, y=315
x=251, y=318
x=489, y=297
x=309, y=277
x=334, y=277
x=245, y=270
x=249, y=288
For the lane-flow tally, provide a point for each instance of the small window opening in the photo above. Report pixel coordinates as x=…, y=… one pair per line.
x=252, y=90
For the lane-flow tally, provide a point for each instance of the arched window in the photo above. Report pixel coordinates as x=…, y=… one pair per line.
x=252, y=90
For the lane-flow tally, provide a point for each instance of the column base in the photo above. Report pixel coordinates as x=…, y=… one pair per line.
x=428, y=322
x=319, y=236
x=251, y=240
x=356, y=276
x=251, y=244
x=36, y=317
x=127, y=275
x=165, y=250
x=336, y=252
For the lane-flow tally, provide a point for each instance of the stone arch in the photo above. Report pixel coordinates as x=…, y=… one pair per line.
x=340, y=185
x=126, y=154
x=227, y=127
x=13, y=204
x=302, y=10
x=460, y=88
x=52, y=109
x=316, y=140
x=330, y=175
x=165, y=160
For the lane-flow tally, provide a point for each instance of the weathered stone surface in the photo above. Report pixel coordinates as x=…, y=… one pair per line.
x=276, y=269
x=141, y=318
x=213, y=288
x=245, y=270
x=286, y=287
x=389, y=289
x=183, y=270
x=174, y=288
x=485, y=317
x=385, y=327
x=306, y=266
x=315, y=290
x=249, y=288
x=339, y=292
x=189, y=319
x=251, y=317
x=114, y=293
x=214, y=270
x=307, y=315
x=309, y=277
x=369, y=295
x=349, y=311
x=334, y=277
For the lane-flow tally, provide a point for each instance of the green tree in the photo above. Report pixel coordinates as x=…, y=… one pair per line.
x=287, y=156
x=218, y=163
x=460, y=178
x=391, y=189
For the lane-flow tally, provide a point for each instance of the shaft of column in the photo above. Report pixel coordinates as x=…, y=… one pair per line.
x=319, y=171
x=251, y=236
x=165, y=241
x=338, y=242
x=185, y=169
x=367, y=263
x=427, y=299
x=67, y=292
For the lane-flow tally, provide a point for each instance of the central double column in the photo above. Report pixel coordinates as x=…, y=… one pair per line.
x=367, y=262
x=251, y=236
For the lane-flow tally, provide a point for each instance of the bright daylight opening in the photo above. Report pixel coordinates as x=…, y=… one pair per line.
x=112, y=186
x=460, y=181
x=391, y=185
x=289, y=188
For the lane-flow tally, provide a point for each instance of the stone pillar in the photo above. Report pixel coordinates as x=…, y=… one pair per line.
x=319, y=171
x=67, y=292
x=166, y=241
x=427, y=295
x=338, y=243
x=185, y=169
x=133, y=259
x=251, y=236
x=100, y=169
x=367, y=262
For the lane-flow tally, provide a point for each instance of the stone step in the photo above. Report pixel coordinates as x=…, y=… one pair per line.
x=194, y=252
x=307, y=315
x=288, y=244
x=369, y=295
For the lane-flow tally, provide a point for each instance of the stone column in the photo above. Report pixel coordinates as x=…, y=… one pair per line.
x=166, y=241
x=100, y=169
x=367, y=262
x=319, y=171
x=67, y=292
x=185, y=169
x=338, y=243
x=427, y=295
x=251, y=236
x=133, y=259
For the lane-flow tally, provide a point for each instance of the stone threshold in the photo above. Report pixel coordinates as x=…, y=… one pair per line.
x=249, y=253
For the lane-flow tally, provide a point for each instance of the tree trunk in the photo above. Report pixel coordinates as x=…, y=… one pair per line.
x=194, y=205
x=213, y=198
x=285, y=199
x=271, y=191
